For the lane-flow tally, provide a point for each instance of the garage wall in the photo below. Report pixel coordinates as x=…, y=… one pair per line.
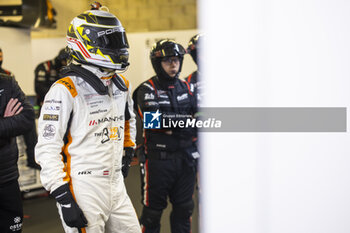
x=17, y=52
x=135, y=15
x=22, y=54
x=145, y=21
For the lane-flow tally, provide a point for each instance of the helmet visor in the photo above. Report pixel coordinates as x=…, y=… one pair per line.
x=106, y=38
x=170, y=51
x=115, y=40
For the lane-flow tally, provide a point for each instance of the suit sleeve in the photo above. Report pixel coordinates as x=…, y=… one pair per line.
x=20, y=123
x=146, y=99
x=52, y=127
x=130, y=122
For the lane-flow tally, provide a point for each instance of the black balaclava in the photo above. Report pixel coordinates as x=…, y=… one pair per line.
x=166, y=48
x=164, y=78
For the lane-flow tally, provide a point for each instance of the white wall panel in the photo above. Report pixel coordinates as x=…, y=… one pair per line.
x=276, y=54
x=16, y=47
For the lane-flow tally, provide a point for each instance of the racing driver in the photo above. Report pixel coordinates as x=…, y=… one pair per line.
x=85, y=123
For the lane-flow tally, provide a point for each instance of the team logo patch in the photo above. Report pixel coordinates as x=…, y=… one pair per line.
x=151, y=103
x=105, y=119
x=53, y=101
x=85, y=173
x=151, y=120
x=113, y=133
x=50, y=117
x=17, y=224
x=68, y=83
x=98, y=111
x=49, y=131
x=52, y=108
x=182, y=97
x=149, y=96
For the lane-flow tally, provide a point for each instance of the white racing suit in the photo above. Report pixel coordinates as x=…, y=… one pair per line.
x=91, y=131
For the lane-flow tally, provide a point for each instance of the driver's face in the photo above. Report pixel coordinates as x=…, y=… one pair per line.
x=171, y=65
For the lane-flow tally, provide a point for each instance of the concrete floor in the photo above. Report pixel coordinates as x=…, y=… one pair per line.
x=41, y=213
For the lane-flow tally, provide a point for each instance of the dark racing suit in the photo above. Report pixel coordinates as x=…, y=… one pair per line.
x=4, y=71
x=169, y=168
x=46, y=73
x=195, y=84
x=11, y=212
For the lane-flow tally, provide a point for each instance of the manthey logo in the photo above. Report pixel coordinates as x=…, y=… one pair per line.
x=151, y=120
x=157, y=120
x=105, y=119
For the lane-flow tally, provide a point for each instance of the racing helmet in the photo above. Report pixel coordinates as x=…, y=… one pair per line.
x=62, y=55
x=193, y=45
x=96, y=37
x=166, y=48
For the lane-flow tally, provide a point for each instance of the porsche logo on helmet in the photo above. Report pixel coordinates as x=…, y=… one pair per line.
x=108, y=31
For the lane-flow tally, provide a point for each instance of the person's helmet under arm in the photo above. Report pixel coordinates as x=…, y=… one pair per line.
x=194, y=46
x=165, y=48
x=98, y=38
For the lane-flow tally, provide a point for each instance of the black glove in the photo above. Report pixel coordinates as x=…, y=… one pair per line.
x=129, y=154
x=31, y=162
x=33, y=165
x=72, y=214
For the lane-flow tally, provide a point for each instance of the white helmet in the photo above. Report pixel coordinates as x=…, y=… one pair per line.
x=97, y=37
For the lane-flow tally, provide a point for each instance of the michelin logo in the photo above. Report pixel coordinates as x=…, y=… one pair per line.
x=151, y=120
